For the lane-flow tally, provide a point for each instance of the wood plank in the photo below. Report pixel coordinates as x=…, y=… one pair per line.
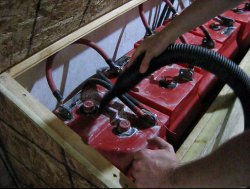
x=94, y=163
x=69, y=39
x=206, y=127
x=217, y=125
x=234, y=124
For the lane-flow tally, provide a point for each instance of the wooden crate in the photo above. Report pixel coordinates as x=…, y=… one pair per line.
x=44, y=152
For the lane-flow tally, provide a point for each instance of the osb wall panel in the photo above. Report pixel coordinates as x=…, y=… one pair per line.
x=16, y=21
x=25, y=178
x=42, y=167
x=26, y=128
x=76, y=167
x=29, y=26
x=38, y=152
x=34, y=159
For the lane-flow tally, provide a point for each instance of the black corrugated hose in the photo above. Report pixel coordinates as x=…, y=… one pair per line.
x=223, y=68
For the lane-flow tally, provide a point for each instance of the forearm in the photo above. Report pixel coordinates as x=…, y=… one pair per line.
x=197, y=14
x=228, y=166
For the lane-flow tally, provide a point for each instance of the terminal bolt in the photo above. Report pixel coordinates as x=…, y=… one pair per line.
x=124, y=128
x=88, y=107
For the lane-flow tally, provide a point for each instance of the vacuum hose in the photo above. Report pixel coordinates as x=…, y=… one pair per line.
x=223, y=68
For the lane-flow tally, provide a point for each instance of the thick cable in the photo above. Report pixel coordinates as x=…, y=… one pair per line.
x=49, y=64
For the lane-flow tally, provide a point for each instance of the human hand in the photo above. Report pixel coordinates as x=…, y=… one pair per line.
x=154, y=168
x=152, y=46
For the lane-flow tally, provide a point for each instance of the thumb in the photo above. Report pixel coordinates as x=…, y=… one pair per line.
x=160, y=143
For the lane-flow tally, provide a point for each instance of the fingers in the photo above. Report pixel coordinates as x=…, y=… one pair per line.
x=141, y=154
x=160, y=143
x=146, y=60
x=145, y=63
x=134, y=56
x=137, y=166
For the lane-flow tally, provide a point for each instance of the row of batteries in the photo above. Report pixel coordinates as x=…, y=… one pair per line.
x=174, y=95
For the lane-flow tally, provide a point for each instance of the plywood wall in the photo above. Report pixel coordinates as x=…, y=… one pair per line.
x=29, y=26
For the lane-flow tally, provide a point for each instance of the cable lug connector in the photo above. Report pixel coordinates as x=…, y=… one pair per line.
x=149, y=119
x=208, y=43
x=228, y=22
x=64, y=112
x=186, y=74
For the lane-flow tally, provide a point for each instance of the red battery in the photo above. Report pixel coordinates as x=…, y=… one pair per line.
x=165, y=92
x=241, y=14
x=208, y=79
x=117, y=133
x=225, y=44
x=227, y=36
